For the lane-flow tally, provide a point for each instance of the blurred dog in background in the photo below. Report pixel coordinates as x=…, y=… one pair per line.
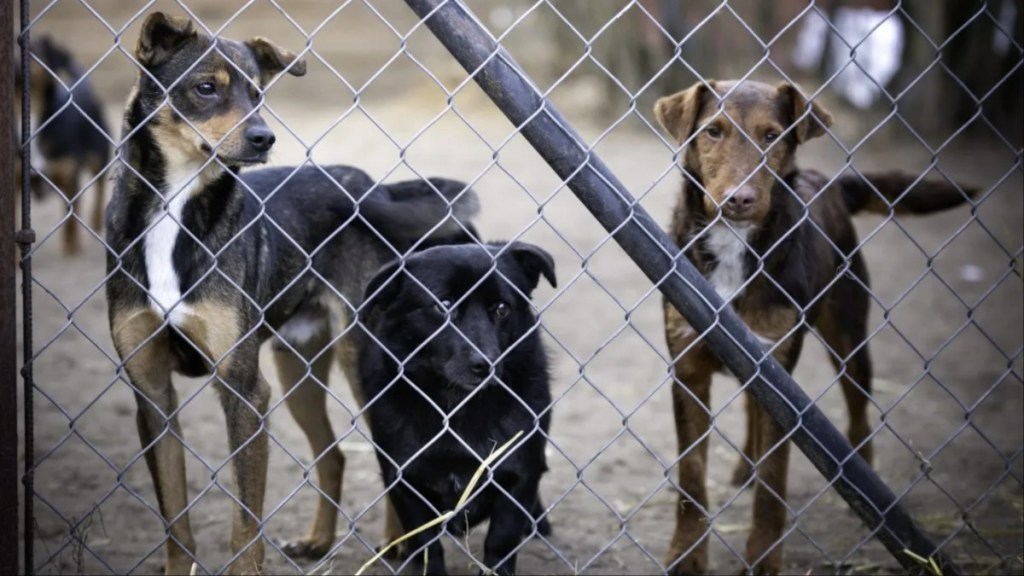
x=70, y=137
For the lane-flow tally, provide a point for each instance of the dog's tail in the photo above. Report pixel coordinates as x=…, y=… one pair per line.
x=441, y=208
x=901, y=193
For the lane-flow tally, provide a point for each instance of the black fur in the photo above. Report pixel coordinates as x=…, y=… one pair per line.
x=485, y=369
x=74, y=129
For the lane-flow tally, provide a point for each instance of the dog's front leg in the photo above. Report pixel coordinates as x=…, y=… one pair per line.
x=414, y=512
x=244, y=397
x=511, y=519
x=142, y=344
x=764, y=546
x=691, y=396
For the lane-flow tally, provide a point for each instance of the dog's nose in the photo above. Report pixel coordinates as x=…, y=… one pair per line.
x=479, y=365
x=260, y=137
x=742, y=198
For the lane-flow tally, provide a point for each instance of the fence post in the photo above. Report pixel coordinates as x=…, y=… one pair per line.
x=8, y=325
x=650, y=248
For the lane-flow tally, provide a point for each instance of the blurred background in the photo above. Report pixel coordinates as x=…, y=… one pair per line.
x=928, y=86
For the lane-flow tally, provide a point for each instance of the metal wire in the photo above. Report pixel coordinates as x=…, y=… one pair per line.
x=620, y=210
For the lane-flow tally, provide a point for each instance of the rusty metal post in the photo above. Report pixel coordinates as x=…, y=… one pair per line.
x=8, y=287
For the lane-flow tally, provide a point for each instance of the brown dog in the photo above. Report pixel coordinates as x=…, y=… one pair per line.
x=770, y=238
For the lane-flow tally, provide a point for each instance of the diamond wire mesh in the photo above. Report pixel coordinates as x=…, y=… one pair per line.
x=578, y=484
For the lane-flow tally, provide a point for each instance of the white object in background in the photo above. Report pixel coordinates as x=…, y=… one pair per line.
x=866, y=46
x=971, y=273
x=1007, y=20
x=810, y=42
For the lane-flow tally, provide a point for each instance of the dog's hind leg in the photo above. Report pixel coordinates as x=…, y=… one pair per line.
x=843, y=326
x=348, y=356
x=304, y=377
x=64, y=175
x=743, y=469
x=99, y=193
x=148, y=362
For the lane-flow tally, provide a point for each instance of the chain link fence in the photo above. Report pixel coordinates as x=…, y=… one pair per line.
x=543, y=109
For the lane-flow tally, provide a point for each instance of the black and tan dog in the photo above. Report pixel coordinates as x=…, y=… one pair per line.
x=771, y=239
x=457, y=367
x=72, y=137
x=206, y=263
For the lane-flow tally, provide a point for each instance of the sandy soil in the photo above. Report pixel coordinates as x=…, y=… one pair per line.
x=946, y=337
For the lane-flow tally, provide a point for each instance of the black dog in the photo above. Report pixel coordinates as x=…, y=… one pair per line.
x=72, y=136
x=457, y=341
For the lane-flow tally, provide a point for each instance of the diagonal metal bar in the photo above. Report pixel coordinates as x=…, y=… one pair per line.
x=649, y=247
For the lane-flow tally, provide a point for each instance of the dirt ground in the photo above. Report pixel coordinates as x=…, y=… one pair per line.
x=946, y=340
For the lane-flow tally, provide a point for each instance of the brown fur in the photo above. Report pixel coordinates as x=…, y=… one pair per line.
x=738, y=149
x=139, y=338
x=194, y=140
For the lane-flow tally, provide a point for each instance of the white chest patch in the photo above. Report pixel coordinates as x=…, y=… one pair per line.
x=729, y=246
x=164, y=284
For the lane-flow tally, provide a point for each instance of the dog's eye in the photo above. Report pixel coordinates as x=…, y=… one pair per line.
x=771, y=136
x=206, y=89
x=501, y=310
x=443, y=307
x=713, y=132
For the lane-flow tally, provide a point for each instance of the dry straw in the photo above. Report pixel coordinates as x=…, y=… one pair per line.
x=449, y=514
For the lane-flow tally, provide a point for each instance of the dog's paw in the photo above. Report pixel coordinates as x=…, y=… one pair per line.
x=762, y=569
x=311, y=548
x=692, y=565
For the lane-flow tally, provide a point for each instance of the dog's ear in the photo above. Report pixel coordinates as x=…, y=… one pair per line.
x=677, y=113
x=809, y=124
x=535, y=262
x=382, y=287
x=161, y=37
x=272, y=59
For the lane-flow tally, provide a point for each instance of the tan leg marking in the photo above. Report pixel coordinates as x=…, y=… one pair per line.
x=99, y=203
x=149, y=362
x=64, y=175
x=348, y=356
x=304, y=382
